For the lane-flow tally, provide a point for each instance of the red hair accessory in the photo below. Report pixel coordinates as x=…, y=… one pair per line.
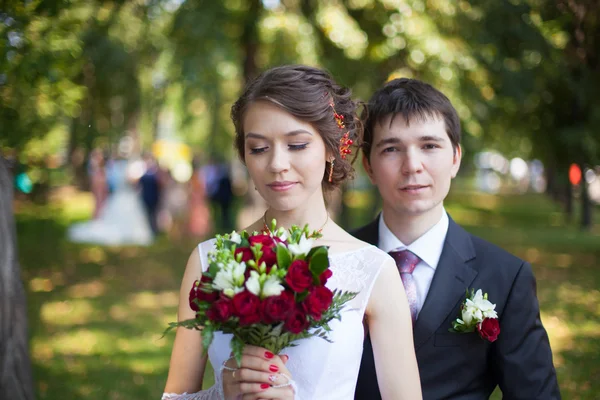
x=345, y=141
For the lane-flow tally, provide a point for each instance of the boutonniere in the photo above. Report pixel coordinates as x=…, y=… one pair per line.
x=477, y=313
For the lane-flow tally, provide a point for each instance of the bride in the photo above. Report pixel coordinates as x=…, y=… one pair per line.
x=122, y=220
x=294, y=128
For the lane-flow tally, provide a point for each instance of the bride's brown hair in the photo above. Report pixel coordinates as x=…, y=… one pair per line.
x=306, y=93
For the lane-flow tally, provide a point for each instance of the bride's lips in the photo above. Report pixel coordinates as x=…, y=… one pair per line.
x=281, y=186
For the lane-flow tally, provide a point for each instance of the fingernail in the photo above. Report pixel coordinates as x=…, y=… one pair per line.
x=264, y=386
x=286, y=357
x=273, y=368
x=268, y=354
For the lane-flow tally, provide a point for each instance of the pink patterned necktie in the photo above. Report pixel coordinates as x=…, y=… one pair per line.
x=406, y=262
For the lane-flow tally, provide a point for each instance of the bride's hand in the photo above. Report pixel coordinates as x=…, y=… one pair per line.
x=255, y=379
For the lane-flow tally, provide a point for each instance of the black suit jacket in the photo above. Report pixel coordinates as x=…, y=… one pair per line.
x=464, y=366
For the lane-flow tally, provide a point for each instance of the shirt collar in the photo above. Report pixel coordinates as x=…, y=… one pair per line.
x=428, y=247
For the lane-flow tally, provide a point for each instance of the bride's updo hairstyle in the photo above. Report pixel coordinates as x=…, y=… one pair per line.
x=306, y=93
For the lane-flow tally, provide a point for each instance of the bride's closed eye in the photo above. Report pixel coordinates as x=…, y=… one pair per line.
x=258, y=150
x=295, y=147
x=291, y=147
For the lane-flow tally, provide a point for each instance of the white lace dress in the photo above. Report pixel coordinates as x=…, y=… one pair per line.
x=321, y=370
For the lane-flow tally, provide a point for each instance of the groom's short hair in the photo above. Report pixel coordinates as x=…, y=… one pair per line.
x=412, y=99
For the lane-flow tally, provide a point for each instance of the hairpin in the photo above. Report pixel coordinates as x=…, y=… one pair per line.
x=345, y=141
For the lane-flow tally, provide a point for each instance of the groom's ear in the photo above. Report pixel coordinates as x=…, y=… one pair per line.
x=367, y=166
x=456, y=161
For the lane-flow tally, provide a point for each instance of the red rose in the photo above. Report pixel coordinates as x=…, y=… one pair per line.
x=489, y=329
x=296, y=322
x=299, y=278
x=199, y=292
x=246, y=306
x=269, y=257
x=246, y=253
x=318, y=300
x=250, y=319
x=325, y=276
x=265, y=240
x=277, y=308
x=221, y=310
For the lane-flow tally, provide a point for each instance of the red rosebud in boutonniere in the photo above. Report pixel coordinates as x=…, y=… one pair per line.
x=489, y=329
x=477, y=313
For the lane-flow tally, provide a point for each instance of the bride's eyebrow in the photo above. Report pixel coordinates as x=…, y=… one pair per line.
x=252, y=135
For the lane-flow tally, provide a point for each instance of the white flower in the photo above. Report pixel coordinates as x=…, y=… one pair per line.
x=272, y=287
x=468, y=313
x=238, y=270
x=282, y=235
x=235, y=237
x=482, y=303
x=477, y=309
x=223, y=280
x=230, y=278
x=253, y=283
x=303, y=247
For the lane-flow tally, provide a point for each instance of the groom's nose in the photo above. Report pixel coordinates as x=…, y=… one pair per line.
x=411, y=162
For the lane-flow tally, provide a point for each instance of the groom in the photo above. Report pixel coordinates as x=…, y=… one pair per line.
x=411, y=152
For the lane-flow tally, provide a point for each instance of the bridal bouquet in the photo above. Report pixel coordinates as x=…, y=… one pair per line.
x=267, y=289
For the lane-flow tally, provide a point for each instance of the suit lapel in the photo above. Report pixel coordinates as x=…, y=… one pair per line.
x=369, y=233
x=451, y=279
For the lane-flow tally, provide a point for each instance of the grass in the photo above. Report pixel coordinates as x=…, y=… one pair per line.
x=96, y=314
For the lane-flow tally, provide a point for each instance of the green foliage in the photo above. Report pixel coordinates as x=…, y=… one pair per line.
x=522, y=74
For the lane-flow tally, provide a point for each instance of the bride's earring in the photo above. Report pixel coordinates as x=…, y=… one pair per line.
x=331, y=163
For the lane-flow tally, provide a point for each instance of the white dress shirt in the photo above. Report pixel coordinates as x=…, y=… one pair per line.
x=428, y=248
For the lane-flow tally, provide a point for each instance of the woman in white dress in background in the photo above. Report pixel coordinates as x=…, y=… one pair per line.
x=289, y=136
x=122, y=220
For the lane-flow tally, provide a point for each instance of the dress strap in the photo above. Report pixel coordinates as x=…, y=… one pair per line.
x=203, y=249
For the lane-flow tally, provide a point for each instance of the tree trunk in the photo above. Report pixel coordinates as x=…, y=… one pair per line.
x=568, y=200
x=16, y=382
x=586, y=204
x=250, y=40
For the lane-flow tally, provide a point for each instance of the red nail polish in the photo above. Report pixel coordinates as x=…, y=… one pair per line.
x=273, y=368
x=264, y=386
x=269, y=355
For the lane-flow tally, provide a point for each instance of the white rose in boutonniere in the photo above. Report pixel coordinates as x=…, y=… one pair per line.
x=477, y=313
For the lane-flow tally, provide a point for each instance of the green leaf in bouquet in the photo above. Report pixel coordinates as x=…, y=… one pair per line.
x=319, y=261
x=213, y=269
x=208, y=333
x=237, y=348
x=283, y=257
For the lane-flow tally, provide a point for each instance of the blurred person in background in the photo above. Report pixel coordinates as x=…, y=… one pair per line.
x=98, y=180
x=123, y=219
x=217, y=176
x=150, y=191
x=199, y=220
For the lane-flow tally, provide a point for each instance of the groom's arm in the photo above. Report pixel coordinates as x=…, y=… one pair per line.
x=522, y=356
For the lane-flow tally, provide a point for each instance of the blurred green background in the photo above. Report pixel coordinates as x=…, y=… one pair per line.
x=80, y=75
